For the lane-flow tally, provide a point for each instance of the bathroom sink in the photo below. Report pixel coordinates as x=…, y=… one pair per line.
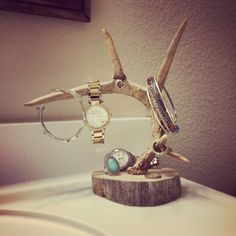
x=22, y=223
x=54, y=192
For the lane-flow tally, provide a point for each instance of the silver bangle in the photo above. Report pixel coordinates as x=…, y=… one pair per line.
x=48, y=132
x=166, y=119
x=156, y=109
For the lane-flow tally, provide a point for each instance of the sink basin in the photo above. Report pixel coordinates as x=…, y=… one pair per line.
x=21, y=223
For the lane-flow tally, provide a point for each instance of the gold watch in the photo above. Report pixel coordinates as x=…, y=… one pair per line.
x=97, y=115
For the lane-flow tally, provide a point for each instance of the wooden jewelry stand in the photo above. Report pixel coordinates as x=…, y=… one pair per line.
x=132, y=187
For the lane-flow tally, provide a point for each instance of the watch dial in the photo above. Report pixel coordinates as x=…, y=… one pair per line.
x=97, y=116
x=122, y=157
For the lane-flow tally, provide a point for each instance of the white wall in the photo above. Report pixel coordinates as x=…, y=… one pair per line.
x=40, y=53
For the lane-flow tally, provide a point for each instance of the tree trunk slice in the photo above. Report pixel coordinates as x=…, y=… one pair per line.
x=138, y=190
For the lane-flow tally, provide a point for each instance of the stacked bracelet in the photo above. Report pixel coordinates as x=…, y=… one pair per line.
x=166, y=119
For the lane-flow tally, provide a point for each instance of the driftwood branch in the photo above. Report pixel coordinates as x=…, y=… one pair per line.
x=166, y=63
x=143, y=163
x=130, y=89
x=177, y=156
x=134, y=90
x=158, y=149
x=118, y=71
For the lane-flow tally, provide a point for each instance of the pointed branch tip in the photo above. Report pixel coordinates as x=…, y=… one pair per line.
x=118, y=71
x=166, y=63
x=103, y=31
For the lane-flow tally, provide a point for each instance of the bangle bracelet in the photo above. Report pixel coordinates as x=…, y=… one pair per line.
x=166, y=119
x=156, y=109
x=48, y=132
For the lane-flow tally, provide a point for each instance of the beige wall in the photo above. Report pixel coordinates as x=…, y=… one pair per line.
x=40, y=53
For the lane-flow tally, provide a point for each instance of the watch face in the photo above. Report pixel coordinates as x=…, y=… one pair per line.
x=122, y=157
x=97, y=116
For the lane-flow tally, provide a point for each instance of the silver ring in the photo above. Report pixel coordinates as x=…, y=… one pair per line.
x=119, y=81
x=48, y=132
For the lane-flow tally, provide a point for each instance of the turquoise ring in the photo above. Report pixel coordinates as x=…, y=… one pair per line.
x=111, y=166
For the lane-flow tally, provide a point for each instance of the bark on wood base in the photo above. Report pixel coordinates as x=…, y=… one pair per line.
x=138, y=190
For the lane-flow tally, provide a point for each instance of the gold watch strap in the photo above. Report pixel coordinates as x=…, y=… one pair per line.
x=95, y=97
x=95, y=94
x=98, y=136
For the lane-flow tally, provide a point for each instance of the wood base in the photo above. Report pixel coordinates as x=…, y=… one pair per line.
x=137, y=190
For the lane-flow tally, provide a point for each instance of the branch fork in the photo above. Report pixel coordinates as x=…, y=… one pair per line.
x=120, y=85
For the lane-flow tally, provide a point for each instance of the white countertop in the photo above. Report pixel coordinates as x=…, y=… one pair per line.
x=199, y=211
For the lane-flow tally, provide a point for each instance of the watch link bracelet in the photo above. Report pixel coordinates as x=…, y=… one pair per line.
x=97, y=115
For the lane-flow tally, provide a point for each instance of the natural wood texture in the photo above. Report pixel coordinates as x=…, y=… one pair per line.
x=177, y=156
x=118, y=71
x=138, y=190
x=159, y=148
x=131, y=89
x=143, y=163
x=166, y=63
